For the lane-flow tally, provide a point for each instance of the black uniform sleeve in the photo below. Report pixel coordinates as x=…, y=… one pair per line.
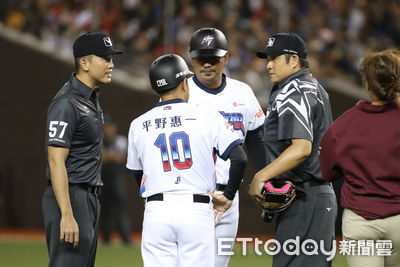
x=138, y=178
x=238, y=164
x=138, y=174
x=294, y=115
x=255, y=147
x=61, y=122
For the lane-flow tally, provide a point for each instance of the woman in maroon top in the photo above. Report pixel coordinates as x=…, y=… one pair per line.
x=363, y=146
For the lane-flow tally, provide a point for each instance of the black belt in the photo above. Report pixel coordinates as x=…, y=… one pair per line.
x=220, y=187
x=310, y=183
x=196, y=198
x=95, y=190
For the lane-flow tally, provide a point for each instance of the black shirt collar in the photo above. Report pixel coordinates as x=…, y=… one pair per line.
x=213, y=91
x=171, y=101
x=82, y=88
x=295, y=75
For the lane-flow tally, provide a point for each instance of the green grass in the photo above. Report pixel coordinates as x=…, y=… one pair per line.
x=21, y=253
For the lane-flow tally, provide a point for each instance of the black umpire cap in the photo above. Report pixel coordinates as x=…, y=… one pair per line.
x=167, y=72
x=96, y=43
x=208, y=42
x=284, y=43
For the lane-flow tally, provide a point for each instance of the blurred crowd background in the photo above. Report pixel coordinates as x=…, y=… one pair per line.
x=337, y=32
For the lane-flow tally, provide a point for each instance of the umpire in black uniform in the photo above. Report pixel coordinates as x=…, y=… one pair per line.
x=74, y=143
x=298, y=115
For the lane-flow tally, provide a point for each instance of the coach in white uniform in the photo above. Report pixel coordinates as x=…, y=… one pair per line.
x=235, y=100
x=171, y=149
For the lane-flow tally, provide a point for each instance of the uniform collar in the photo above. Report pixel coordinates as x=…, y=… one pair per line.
x=295, y=75
x=171, y=101
x=82, y=88
x=366, y=106
x=213, y=91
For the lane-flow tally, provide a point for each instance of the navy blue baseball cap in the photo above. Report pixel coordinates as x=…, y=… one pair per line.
x=96, y=43
x=284, y=43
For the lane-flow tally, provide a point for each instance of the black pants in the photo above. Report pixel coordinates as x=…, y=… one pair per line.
x=308, y=218
x=86, y=210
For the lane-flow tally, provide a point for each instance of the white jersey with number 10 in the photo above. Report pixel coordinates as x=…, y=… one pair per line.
x=174, y=144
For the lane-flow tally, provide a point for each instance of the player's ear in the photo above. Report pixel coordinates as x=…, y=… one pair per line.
x=294, y=61
x=225, y=58
x=185, y=85
x=84, y=63
x=185, y=88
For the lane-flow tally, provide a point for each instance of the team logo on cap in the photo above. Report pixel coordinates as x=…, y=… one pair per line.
x=107, y=41
x=271, y=42
x=207, y=39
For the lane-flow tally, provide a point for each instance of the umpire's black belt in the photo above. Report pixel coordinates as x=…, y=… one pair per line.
x=196, y=198
x=310, y=183
x=95, y=190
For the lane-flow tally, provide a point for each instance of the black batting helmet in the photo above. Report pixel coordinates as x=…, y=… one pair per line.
x=167, y=72
x=208, y=42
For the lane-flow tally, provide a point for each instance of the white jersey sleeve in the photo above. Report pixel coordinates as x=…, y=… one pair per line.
x=225, y=136
x=256, y=116
x=133, y=162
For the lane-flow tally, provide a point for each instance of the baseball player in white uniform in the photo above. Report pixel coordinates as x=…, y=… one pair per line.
x=171, y=149
x=235, y=100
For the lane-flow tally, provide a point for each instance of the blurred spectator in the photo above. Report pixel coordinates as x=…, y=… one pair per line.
x=114, y=193
x=337, y=32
